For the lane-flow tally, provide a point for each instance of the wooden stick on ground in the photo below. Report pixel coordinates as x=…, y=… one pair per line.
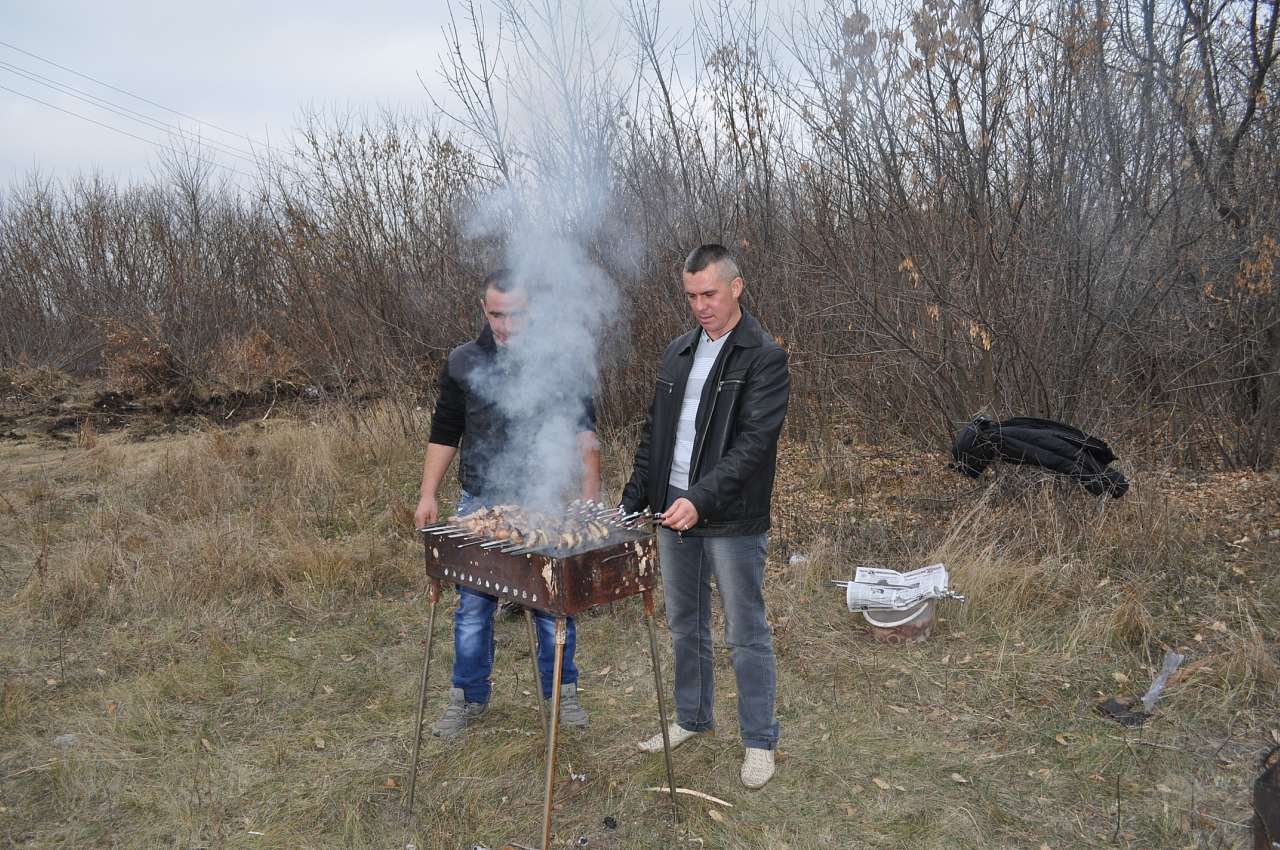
x=665, y=790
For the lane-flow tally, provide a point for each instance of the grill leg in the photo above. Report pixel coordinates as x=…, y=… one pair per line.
x=533, y=659
x=422, y=697
x=662, y=705
x=552, y=732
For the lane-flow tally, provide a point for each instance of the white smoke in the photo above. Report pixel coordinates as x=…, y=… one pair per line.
x=556, y=224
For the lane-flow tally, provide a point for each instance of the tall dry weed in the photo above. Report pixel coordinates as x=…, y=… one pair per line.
x=1043, y=550
x=256, y=513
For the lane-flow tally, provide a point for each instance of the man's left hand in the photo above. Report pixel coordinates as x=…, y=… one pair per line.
x=681, y=516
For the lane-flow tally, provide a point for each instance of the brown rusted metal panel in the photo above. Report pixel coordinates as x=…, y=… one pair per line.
x=559, y=585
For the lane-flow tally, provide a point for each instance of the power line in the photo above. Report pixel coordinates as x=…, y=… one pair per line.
x=134, y=96
x=125, y=132
x=125, y=112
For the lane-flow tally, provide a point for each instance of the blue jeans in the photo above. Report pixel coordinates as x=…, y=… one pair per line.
x=737, y=563
x=473, y=637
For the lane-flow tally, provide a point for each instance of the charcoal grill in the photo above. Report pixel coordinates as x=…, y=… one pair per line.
x=559, y=581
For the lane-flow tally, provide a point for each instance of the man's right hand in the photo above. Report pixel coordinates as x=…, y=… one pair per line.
x=428, y=512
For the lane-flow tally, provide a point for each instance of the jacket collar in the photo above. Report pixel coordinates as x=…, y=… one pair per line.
x=746, y=334
x=485, y=340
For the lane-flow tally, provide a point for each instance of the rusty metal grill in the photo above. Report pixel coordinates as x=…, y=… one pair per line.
x=559, y=581
x=621, y=561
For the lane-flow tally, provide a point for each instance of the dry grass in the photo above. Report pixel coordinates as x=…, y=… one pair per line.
x=230, y=624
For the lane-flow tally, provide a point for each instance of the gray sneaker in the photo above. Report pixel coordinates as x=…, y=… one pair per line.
x=457, y=714
x=571, y=711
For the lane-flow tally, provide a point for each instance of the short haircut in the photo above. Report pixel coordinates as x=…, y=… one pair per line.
x=711, y=254
x=502, y=280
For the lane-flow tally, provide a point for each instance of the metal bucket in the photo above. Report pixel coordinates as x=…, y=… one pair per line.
x=914, y=625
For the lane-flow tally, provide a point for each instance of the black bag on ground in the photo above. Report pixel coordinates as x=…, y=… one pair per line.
x=1054, y=446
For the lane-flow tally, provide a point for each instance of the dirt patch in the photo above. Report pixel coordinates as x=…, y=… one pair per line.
x=45, y=405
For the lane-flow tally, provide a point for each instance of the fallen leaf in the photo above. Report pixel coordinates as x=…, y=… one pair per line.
x=899, y=709
x=1164, y=789
x=112, y=707
x=347, y=657
x=880, y=783
x=628, y=690
x=955, y=777
x=849, y=809
x=604, y=672
x=391, y=783
x=292, y=639
x=327, y=689
x=1061, y=739
x=51, y=682
x=319, y=743
x=966, y=659
x=715, y=815
x=1219, y=626
x=204, y=742
x=1120, y=678
x=1045, y=847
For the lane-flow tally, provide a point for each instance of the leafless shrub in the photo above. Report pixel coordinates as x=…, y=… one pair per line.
x=942, y=208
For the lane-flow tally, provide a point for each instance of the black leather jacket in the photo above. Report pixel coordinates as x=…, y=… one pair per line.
x=735, y=447
x=468, y=416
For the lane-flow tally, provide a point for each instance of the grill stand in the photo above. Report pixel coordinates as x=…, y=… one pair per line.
x=422, y=694
x=553, y=733
x=662, y=708
x=536, y=687
x=551, y=728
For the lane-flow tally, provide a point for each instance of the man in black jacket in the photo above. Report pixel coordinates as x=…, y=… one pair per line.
x=473, y=411
x=706, y=460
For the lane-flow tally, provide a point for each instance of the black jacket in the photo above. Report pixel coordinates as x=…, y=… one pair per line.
x=467, y=416
x=1038, y=442
x=735, y=447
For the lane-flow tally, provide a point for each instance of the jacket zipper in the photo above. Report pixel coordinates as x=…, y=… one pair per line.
x=696, y=460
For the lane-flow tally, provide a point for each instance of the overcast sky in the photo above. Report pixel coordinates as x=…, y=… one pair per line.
x=249, y=67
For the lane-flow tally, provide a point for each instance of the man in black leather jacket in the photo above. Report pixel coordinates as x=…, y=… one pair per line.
x=706, y=460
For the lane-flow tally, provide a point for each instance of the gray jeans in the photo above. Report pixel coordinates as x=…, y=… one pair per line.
x=688, y=564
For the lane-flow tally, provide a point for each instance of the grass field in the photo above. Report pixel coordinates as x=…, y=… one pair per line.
x=212, y=639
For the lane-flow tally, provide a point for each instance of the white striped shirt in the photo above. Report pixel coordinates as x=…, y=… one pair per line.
x=704, y=357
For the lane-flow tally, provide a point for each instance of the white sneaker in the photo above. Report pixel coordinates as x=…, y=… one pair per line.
x=757, y=767
x=677, y=733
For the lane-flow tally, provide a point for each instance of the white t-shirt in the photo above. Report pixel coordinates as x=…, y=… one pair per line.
x=704, y=357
